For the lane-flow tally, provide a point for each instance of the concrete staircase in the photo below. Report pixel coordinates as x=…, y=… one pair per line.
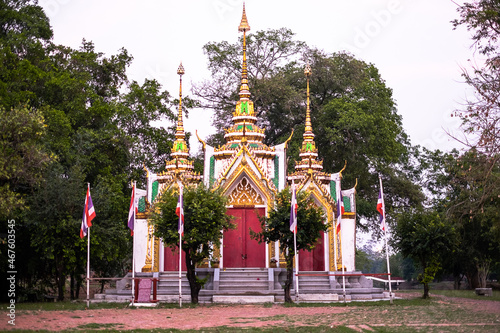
x=251, y=285
x=314, y=283
x=246, y=281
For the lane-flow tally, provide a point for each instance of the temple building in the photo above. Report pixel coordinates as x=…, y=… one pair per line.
x=250, y=174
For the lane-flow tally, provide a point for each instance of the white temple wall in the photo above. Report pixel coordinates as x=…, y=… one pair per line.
x=348, y=234
x=140, y=243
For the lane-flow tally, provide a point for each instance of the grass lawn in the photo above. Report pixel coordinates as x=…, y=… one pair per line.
x=460, y=311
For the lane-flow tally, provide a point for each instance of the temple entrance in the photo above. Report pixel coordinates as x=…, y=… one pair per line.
x=239, y=249
x=315, y=259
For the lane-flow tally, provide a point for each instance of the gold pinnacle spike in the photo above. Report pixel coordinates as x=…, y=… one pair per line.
x=307, y=69
x=308, y=129
x=180, y=70
x=244, y=22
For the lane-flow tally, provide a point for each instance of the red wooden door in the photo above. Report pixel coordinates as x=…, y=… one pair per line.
x=239, y=249
x=171, y=259
x=313, y=260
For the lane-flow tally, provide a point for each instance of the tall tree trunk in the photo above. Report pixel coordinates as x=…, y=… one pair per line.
x=483, y=268
x=426, y=291
x=72, y=286
x=78, y=286
x=60, y=279
x=472, y=278
x=194, y=284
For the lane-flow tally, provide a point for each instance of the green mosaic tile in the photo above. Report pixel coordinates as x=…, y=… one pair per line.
x=347, y=204
x=212, y=171
x=141, y=206
x=333, y=191
x=154, y=191
x=276, y=178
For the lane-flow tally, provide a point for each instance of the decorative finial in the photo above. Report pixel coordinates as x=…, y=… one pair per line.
x=180, y=70
x=307, y=72
x=180, y=149
x=244, y=27
x=180, y=125
x=244, y=22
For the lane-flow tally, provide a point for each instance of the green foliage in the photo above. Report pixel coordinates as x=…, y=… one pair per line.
x=427, y=238
x=22, y=157
x=276, y=227
x=77, y=107
x=353, y=113
x=205, y=220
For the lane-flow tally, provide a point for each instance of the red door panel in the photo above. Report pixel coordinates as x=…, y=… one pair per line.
x=233, y=240
x=255, y=255
x=239, y=249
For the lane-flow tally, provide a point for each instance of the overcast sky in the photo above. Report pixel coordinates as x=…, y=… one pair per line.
x=412, y=43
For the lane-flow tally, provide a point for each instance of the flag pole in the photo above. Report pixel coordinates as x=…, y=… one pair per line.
x=296, y=255
x=180, y=247
x=342, y=261
x=385, y=237
x=133, y=249
x=88, y=258
x=296, y=266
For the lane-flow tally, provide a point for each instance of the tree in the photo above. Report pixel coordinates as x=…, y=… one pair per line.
x=353, y=112
x=22, y=157
x=205, y=220
x=424, y=236
x=471, y=205
x=276, y=228
x=95, y=126
x=481, y=117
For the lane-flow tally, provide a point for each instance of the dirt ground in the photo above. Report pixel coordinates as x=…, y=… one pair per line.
x=476, y=312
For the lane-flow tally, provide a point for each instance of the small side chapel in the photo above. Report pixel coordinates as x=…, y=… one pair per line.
x=250, y=174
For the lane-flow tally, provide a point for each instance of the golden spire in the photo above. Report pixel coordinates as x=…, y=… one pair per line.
x=244, y=27
x=308, y=151
x=308, y=129
x=180, y=149
x=180, y=125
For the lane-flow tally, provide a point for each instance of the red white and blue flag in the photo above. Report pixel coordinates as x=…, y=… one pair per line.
x=293, y=211
x=179, y=210
x=88, y=214
x=381, y=206
x=340, y=209
x=132, y=211
x=340, y=202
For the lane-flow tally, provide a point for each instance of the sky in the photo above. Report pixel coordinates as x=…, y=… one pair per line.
x=412, y=43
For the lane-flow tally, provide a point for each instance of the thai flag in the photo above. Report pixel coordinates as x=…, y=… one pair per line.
x=180, y=210
x=293, y=211
x=88, y=214
x=340, y=209
x=381, y=206
x=131, y=212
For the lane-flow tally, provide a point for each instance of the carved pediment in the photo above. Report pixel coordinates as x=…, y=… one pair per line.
x=245, y=194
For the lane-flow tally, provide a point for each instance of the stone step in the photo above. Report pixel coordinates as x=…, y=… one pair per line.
x=242, y=299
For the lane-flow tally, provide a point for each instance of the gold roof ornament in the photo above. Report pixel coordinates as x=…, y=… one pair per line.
x=244, y=22
x=244, y=131
x=308, y=151
x=180, y=150
x=244, y=89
